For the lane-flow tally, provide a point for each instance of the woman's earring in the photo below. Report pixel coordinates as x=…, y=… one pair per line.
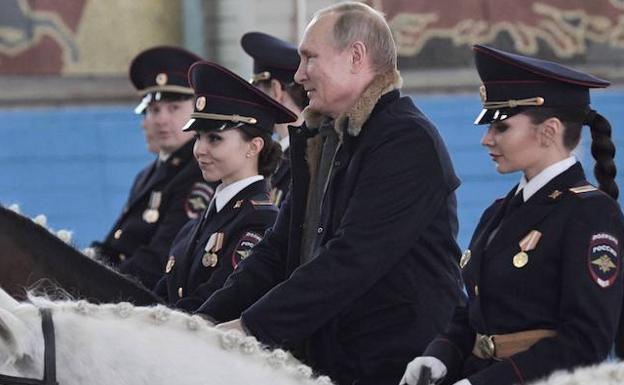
x=247, y=155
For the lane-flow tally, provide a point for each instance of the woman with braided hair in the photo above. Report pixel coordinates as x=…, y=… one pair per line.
x=543, y=272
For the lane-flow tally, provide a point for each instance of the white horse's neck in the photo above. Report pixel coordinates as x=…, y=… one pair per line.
x=123, y=344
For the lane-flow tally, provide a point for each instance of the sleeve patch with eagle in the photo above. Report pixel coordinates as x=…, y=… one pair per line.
x=243, y=247
x=198, y=199
x=603, y=260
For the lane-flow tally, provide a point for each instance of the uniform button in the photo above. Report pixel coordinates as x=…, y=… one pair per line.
x=476, y=290
x=117, y=234
x=122, y=257
x=180, y=292
x=319, y=230
x=337, y=163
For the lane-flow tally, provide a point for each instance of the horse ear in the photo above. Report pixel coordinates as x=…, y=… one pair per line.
x=16, y=340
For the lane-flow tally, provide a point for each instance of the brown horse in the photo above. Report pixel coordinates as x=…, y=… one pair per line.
x=31, y=255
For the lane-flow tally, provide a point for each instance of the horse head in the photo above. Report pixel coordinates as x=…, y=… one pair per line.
x=123, y=344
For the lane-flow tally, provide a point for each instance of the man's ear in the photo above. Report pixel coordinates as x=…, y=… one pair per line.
x=359, y=57
x=276, y=90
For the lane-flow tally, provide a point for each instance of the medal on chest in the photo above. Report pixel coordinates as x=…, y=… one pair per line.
x=528, y=243
x=151, y=214
x=170, y=264
x=214, y=244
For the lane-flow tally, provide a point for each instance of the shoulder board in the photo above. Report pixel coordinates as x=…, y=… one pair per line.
x=261, y=203
x=585, y=191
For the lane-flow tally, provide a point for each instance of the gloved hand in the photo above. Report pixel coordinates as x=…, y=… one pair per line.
x=465, y=381
x=412, y=372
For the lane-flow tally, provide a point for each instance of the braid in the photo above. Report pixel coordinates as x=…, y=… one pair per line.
x=603, y=151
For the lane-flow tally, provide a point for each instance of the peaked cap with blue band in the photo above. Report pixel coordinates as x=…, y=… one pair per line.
x=225, y=100
x=160, y=73
x=512, y=82
x=273, y=58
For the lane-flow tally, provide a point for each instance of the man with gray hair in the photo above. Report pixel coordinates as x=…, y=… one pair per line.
x=360, y=270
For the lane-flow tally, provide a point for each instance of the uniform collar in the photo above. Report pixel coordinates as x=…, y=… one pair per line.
x=546, y=175
x=224, y=193
x=284, y=143
x=163, y=156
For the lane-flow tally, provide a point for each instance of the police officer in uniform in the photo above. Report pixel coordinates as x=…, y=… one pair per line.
x=233, y=122
x=171, y=190
x=274, y=64
x=543, y=272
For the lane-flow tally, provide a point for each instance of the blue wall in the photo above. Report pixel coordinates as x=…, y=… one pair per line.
x=75, y=163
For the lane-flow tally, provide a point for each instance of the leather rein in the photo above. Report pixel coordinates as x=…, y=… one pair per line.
x=49, y=356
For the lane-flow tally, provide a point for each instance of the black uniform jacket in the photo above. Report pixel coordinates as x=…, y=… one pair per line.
x=572, y=284
x=385, y=277
x=280, y=180
x=193, y=273
x=140, y=240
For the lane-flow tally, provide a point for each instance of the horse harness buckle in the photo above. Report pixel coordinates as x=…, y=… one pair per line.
x=486, y=346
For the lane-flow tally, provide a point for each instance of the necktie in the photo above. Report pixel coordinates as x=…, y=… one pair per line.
x=514, y=203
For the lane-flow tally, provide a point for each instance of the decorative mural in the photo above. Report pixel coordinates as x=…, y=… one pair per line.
x=38, y=35
x=100, y=37
x=82, y=37
x=562, y=29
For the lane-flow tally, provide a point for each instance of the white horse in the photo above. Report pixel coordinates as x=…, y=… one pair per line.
x=122, y=344
x=607, y=373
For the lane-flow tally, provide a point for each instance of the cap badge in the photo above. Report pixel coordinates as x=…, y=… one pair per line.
x=200, y=103
x=161, y=79
x=483, y=93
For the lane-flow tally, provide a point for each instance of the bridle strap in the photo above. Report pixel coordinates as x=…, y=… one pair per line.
x=49, y=353
x=49, y=356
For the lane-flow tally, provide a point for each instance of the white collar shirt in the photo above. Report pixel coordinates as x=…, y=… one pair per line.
x=224, y=194
x=546, y=175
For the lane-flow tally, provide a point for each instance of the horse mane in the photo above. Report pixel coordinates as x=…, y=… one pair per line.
x=606, y=373
x=166, y=317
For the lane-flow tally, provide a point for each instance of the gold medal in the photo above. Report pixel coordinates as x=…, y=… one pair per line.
x=463, y=261
x=150, y=215
x=528, y=243
x=170, y=264
x=210, y=260
x=521, y=259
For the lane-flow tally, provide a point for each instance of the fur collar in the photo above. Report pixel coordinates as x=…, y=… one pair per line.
x=361, y=110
